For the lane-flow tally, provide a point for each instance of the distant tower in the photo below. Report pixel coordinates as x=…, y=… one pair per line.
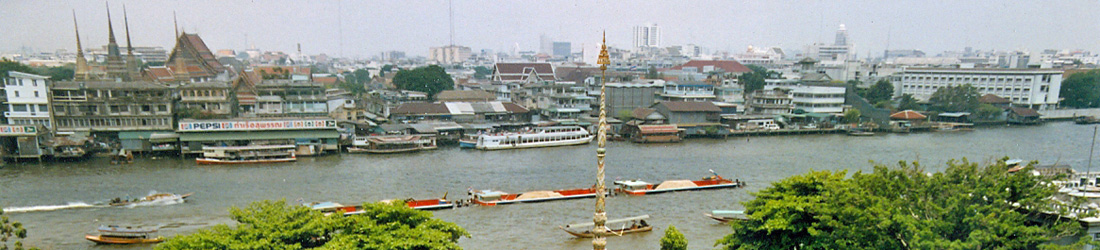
x=180, y=70
x=648, y=35
x=81, y=72
x=841, y=36
x=133, y=67
x=116, y=68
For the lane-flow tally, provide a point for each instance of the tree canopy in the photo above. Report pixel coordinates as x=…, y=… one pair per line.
x=955, y=98
x=754, y=80
x=907, y=102
x=966, y=206
x=9, y=65
x=277, y=225
x=431, y=79
x=482, y=72
x=673, y=240
x=883, y=90
x=1081, y=90
x=355, y=81
x=11, y=230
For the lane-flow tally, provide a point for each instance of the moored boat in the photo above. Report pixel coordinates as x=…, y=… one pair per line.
x=247, y=154
x=158, y=197
x=1085, y=119
x=388, y=144
x=725, y=216
x=637, y=187
x=493, y=198
x=860, y=132
x=616, y=227
x=535, y=138
x=119, y=235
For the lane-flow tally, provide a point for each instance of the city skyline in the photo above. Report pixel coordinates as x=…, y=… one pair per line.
x=364, y=29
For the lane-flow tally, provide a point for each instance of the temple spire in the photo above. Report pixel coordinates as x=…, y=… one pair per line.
x=175, y=25
x=126, y=20
x=81, y=71
x=599, y=219
x=110, y=27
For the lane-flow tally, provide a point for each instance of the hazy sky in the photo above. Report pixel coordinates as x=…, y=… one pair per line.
x=369, y=27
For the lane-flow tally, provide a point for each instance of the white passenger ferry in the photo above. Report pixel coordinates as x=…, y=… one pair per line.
x=537, y=137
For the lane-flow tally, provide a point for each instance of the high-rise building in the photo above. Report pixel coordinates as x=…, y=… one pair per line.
x=450, y=54
x=563, y=49
x=648, y=35
x=546, y=45
x=841, y=36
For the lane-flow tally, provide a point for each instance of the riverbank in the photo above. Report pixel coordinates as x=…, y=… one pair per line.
x=351, y=178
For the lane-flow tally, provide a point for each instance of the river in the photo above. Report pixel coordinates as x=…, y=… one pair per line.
x=349, y=179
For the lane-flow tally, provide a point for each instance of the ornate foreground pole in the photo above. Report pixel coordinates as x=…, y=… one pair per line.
x=598, y=240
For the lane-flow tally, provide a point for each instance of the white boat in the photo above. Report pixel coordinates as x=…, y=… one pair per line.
x=247, y=154
x=392, y=144
x=535, y=138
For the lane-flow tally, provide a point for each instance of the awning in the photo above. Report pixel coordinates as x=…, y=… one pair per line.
x=141, y=135
x=260, y=135
x=164, y=137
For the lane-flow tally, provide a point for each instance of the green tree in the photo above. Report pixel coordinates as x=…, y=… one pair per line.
x=882, y=90
x=652, y=73
x=907, y=102
x=482, y=72
x=355, y=81
x=752, y=82
x=673, y=240
x=852, y=115
x=8, y=230
x=431, y=79
x=625, y=115
x=385, y=69
x=1081, y=90
x=9, y=65
x=956, y=98
x=278, y=225
x=988, y=112
x=966, y=206
x=60, y=73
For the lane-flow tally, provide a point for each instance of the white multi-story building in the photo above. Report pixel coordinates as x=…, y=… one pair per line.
x=450, y=54
x=28, y=99
x=1034, y=88
x=814, y=98
x=648, y=35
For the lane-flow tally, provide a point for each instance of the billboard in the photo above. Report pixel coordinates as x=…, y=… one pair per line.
x=198, y=126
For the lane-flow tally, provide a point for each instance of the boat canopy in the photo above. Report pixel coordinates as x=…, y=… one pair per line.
x=491, y=194
x=727, y=212
x=609, y=222
x=633, y=183
x=324, y=205
x=128, y=230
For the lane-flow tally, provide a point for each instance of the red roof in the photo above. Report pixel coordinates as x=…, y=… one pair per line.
x=202, y=63
x=993, y=99
x=908, y=115
x=1025, y=112
x=719, y=65
x=325, y=79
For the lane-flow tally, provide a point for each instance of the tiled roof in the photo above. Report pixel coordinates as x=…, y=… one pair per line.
x=1025, y=112
x=465, y=95
x=908, y=115
x=993, y=99
x=203, y=62
x=691, y=106
x=725, y=66
x=512, y=107
x=420, y=108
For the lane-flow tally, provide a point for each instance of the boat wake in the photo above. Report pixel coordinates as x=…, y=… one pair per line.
x=70, y=205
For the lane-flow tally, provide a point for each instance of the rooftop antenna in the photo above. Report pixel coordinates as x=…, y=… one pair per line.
x=451, y=16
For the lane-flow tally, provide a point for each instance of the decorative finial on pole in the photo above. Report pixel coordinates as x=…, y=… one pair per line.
x=600, y=218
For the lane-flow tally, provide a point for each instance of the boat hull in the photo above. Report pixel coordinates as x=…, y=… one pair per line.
x=585, y=140
x=220, y=161
x=613, y=232
x=387, y=151
x=98, y=239
x=723, y=219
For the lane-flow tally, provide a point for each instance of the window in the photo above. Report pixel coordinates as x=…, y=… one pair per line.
x=36, y=93
x=146, y=108
x=34, y=83
x=43, y=108
x=162, y=108
x=16, y=93
x=59, y=109
x=19, y=108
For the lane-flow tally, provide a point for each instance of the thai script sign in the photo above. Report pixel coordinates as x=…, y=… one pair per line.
x=195, y=126
x=18, y=130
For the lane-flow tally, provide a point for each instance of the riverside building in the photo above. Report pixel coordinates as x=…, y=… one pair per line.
x=1032, y=88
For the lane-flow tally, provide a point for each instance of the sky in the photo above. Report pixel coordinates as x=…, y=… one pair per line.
x=361, y=29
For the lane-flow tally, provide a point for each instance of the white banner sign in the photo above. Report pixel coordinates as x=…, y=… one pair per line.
x=255, y=125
